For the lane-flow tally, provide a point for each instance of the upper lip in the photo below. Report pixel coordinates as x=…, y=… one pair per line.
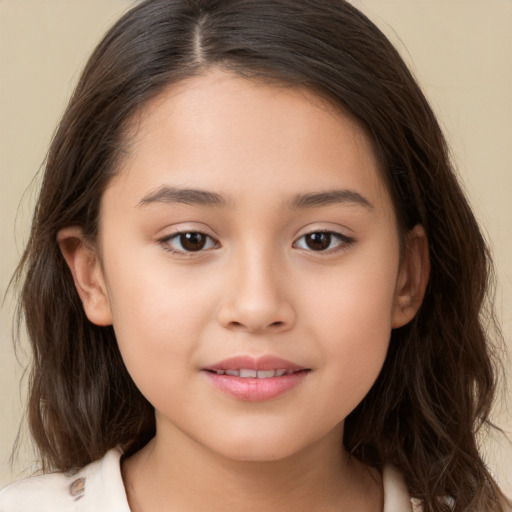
x=267, y=362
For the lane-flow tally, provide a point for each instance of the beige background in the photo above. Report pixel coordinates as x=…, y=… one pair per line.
x=461, y=51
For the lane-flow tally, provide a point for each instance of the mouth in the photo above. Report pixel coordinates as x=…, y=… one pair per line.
x=255, y=379
x=246, y=373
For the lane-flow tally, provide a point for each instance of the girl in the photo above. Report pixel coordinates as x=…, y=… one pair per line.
x=253, y=282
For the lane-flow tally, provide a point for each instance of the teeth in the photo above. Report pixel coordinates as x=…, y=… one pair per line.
x=259, y=374
x=248, y=373
x=266, y=374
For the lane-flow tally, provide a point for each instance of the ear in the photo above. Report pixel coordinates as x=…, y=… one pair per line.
x=412, y=277
x=85, y=266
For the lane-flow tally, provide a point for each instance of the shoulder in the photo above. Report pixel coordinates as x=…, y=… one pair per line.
x=396, y=494
x=97, y=487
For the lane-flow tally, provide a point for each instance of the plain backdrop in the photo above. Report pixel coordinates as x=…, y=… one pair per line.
x=460, y=50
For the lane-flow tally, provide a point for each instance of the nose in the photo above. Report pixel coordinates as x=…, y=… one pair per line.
x=257, y=301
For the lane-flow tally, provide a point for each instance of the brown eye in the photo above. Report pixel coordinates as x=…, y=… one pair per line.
x=191, y=241
x=323, y=241
x=318, y=241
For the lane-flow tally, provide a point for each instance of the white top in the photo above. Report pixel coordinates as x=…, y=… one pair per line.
x=99, y=487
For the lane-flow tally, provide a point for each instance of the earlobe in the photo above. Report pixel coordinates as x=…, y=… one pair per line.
x=412, y=278
x=84, y=263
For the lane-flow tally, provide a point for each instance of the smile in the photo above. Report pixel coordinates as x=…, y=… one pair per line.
x=257, y=374
x=255, y=379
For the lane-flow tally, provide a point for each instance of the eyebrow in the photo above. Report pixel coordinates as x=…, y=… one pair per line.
x=172, y=195
x=330, y=197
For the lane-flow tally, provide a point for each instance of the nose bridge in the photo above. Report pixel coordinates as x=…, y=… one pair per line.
x=257, y=299
x=257, y=276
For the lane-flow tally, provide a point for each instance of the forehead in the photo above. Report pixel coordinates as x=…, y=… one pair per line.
x=225, y=133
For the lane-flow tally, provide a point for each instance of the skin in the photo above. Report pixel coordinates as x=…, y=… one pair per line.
x=256, y=288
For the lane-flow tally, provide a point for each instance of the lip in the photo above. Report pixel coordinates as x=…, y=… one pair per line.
x=267, y=362
x=253, y=389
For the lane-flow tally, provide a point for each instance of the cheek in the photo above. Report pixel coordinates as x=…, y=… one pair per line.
x=356, y=300
x=154, y=299
x=352, y=316
x=157, y=325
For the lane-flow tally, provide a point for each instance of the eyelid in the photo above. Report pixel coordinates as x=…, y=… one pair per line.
x=165, y=243
x=345, y=241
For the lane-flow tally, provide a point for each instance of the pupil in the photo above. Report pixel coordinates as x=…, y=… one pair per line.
x=318, y=241
x=193, y=241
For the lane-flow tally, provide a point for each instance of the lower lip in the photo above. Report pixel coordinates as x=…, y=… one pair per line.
x=253, y=389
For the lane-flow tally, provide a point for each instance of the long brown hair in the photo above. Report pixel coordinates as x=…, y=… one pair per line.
x=438, y=381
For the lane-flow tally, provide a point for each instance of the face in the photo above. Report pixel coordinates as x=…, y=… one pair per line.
x=249, y=261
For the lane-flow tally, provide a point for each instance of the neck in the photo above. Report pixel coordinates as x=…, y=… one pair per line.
x=183, y=476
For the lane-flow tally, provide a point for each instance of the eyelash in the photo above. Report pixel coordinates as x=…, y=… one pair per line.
x=343, y=242
x=166, y=243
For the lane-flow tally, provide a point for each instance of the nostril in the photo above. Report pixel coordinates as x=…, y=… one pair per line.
x=255, y=313
x=240, y=325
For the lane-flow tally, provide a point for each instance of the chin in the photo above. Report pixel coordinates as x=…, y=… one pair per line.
x=259, y=453
x=261, y=446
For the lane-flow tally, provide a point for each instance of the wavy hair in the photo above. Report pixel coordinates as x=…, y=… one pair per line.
x=438, y=382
